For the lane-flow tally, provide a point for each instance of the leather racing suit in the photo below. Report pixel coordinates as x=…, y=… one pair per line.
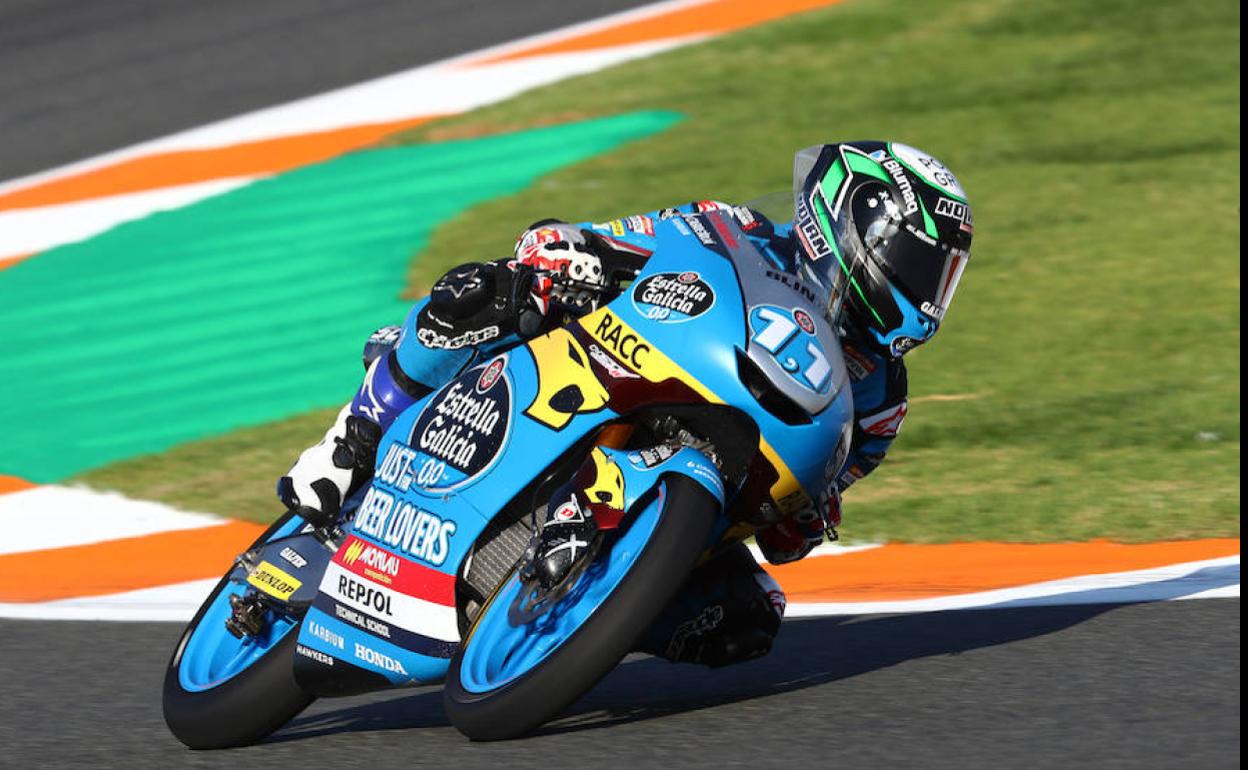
x=730, y=609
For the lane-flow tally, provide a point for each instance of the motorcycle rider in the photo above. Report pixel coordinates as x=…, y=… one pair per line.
x=883, y=228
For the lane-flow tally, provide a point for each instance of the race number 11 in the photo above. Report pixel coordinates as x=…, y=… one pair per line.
x=777, y=332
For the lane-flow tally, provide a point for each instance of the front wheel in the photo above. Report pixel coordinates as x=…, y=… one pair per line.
x=223, y=691
x=517, y=669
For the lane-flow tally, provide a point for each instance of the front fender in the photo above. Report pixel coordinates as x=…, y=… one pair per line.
x=642, y=468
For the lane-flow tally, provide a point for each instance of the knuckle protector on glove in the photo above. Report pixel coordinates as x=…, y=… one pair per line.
x=468, y=306
x=463, y=292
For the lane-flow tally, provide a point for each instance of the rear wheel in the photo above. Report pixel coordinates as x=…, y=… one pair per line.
x=519, y=666
x=223, y=691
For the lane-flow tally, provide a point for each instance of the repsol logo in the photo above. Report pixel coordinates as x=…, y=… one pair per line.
x=626, y=345
x=367, y=596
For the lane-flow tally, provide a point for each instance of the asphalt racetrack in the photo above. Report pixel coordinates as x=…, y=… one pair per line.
x=1147, y=685
x=82, y=78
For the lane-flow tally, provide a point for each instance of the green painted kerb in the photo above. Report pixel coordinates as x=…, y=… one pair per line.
x=244, y=308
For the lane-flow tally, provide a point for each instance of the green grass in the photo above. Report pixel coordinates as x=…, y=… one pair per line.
x=1097, y=330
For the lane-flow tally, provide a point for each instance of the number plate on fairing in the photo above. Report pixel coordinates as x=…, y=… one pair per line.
x=789, y=338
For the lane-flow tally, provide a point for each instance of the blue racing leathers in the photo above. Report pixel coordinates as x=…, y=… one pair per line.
x=729, y=609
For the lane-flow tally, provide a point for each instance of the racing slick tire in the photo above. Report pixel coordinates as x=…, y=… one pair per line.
x=245, y=707
x=603, y=639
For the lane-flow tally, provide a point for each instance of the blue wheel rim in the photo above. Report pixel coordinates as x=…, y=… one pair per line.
x=499, y=652
x=212, y=655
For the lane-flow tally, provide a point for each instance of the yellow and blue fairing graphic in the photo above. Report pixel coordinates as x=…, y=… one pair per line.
x=449, y=463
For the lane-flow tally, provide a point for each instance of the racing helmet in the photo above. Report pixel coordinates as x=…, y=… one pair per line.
x=885, y=229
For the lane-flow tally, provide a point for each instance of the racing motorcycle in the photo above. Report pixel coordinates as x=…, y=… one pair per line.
x=708, y=399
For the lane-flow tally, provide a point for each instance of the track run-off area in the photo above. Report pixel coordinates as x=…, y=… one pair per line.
x=970, y=654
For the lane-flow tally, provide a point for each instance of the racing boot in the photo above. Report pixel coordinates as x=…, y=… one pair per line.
x=566, y=535
x=728, y=611
x=591, y=501
x=330, y=470
x=326, y=474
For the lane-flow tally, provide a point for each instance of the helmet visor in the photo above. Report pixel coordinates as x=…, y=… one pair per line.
x=925, y=274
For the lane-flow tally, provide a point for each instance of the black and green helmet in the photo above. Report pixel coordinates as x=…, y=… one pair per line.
x=886, y=230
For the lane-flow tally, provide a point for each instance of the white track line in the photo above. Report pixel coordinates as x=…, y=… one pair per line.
x=176, y=602
x=1198, y=579
x=249, y=126
x=1212, y=578
x=58, y=517
x=445, y=87
x=426, y=91
x=23, y=231
x=823, y=549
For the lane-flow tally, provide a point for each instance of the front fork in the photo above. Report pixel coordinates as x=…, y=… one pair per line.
x=612, y=481
x=282, y=575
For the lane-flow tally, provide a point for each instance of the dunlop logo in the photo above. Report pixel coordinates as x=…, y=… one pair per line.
x=273, y=581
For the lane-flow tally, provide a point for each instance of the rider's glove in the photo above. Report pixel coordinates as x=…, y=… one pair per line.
x=569, y=268
x=782, y=542
x=477, y=303
x=795, y=536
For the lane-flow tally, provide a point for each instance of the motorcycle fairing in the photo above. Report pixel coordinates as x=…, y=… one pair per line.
x=449, y=463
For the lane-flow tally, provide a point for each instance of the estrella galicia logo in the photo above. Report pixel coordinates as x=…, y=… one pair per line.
x=673, y=297
x=463, y=428
x=791, y=337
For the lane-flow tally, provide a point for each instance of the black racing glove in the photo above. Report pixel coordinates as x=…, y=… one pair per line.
x=477, y=303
